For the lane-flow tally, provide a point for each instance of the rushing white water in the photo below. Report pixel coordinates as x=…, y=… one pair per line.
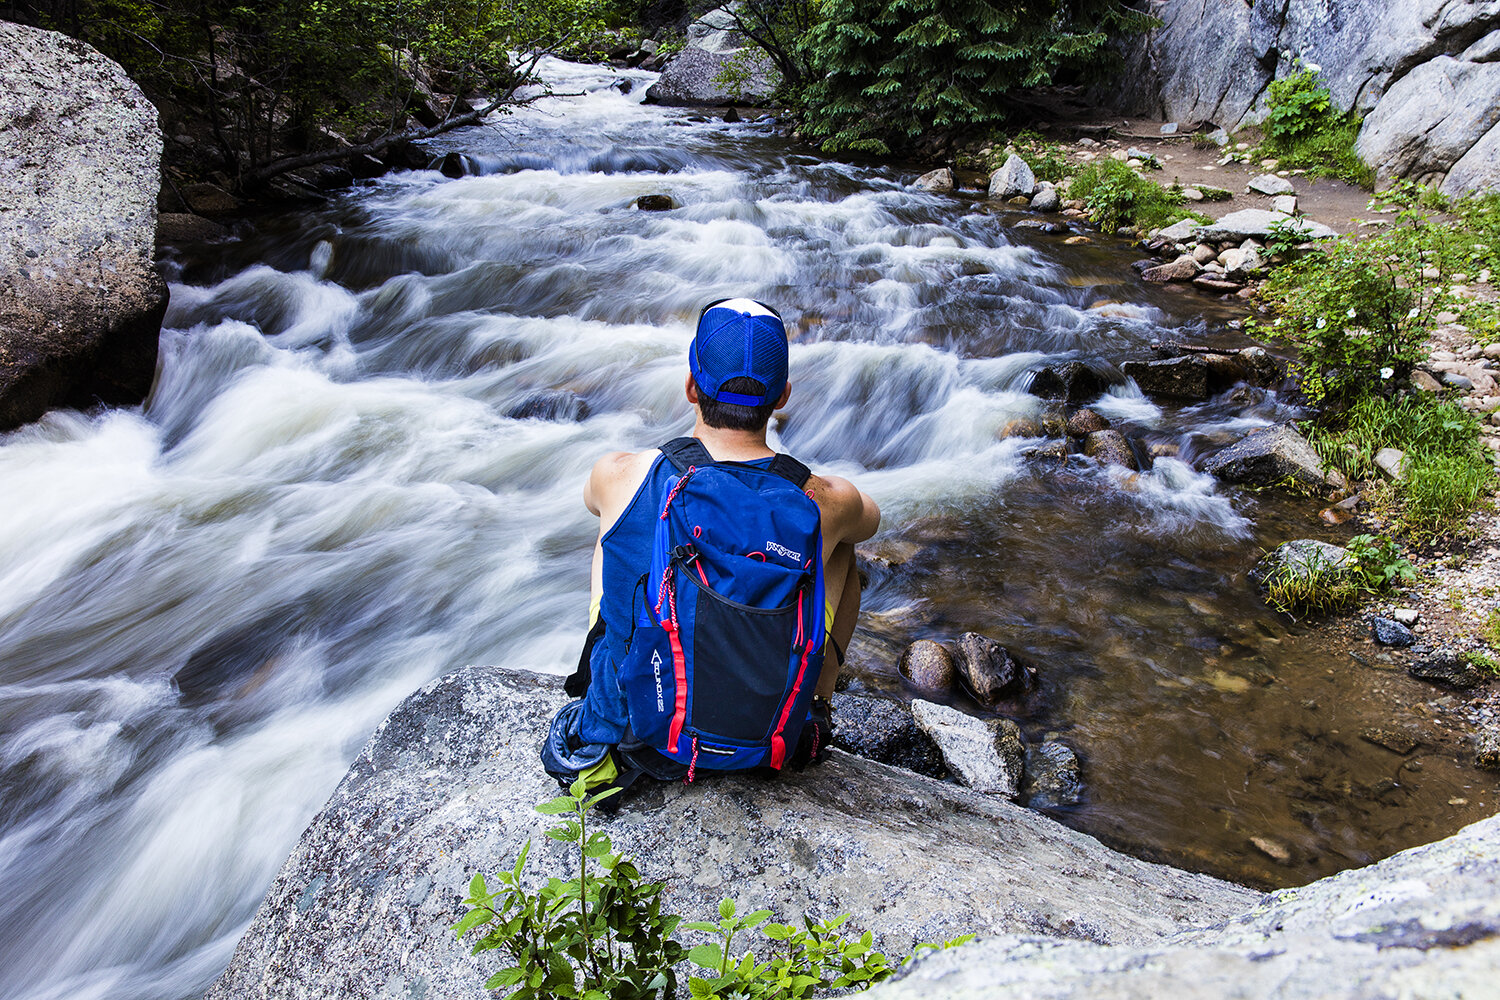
x=361, y=467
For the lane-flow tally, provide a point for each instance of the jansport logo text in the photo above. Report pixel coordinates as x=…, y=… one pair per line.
x=782, y=550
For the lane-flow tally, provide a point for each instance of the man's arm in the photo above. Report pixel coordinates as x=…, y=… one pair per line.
x=849, y=514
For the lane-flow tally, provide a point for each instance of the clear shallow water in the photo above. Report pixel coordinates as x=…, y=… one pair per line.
x=334, y=494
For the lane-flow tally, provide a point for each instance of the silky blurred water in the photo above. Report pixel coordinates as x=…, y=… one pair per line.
x=361, y=468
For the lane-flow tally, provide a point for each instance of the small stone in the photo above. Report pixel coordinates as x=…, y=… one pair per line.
x=1046, y=200
x=1454, y=380
x=1284, y=203
x=938, y=181
x=655, y=203
x=1076, y=240
x=1392, y=739
x=1448, y=668
x=1406, y=616
x=1391, y=633
x=1425, y=381
x=1110, y=447
x=988, y=755
x=1273, y=849
x=1269, y=184
x=1392, y=461
x=1431, y=273
x=1492, y=350
x=1203, y=253
x=927, y=665
x=1192, y=194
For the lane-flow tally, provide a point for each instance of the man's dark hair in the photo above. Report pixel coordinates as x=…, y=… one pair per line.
x=733, y=416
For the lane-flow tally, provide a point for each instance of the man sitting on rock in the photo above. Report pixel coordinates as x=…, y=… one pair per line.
x=737, y=377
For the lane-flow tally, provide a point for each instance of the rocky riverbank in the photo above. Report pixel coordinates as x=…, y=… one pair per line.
x=445, y=788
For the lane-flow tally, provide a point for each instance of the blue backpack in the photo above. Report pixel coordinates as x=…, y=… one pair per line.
x=727, y=648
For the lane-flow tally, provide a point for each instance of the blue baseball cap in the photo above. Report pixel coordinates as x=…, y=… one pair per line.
x=739, y=338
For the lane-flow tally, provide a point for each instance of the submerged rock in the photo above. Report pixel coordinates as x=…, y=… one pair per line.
x=1447, y=667
x=1110, y=447
x=1085, y=421
x=988, y=755
x=989, y=673
x=550, y=404
x=446, y=787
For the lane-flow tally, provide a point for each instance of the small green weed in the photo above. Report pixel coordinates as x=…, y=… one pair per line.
x=1455, y=599
x=1485, y=662
x=1305, y=131
x=604, y=936
x=1491, y=633
x=1379, y=564
x=1113, y=196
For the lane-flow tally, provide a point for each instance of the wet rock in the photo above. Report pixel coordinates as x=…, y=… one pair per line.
x=1447, y=667
x=1393, y=740
x=1388, y=632
x=927, y=665
x=988, y=755
x=1269, y=456
x=1273, y=849
x=1052, y=451
x=1085, y=421
x=1053, y=779
x=1269, y=184
x=883, y=730
x=550, y=404
x=1041, y=226
x=939, y=181
x=1487, y=749
x=1072, y=381
x=1256, y=223
x=1173, y=378
x=1013, y=179
x=655, y=203
x=81, y=301
x=1046, y=200
x=1302, y=558
x=988, y=672
x=184, y=227
x=1109, y=447
x=1184, y=268
x=1019, y=427
x=453, y=165
x=1265, y=371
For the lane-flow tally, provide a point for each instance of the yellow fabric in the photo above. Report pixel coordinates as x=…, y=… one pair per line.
x=602, y=773
x=594, y=609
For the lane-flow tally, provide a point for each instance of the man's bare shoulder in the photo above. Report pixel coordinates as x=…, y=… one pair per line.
x=615, y=477
x=849, y=515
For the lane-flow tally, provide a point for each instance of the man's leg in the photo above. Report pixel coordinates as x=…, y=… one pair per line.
x=841, y=587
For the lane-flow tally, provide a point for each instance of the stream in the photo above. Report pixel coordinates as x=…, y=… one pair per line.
x=361, y=468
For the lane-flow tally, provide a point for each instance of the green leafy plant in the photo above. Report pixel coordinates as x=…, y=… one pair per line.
x=596, y=937
x=603, y=936
x=1304, y=129
x=1484, y=662
x=1379, y=563
x=1113, y=195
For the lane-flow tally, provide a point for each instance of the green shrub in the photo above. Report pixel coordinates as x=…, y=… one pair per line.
x=1045, y=158
x=1113, y=195
x=1304, y=130
x=604, y=936
x=1485, y=662
x=889, y=72
x=1310, y=585
x=1379, y=564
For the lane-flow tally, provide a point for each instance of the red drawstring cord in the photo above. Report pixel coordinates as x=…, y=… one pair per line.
x=692, y=764
x=676, y=488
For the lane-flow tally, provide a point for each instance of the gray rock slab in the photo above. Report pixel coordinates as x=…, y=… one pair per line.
x=1180, y=231
x=1269, y=455
x=1257, y=224
x=939, y=180
x=1170, y=378
x=1431, y=118
x=1013, y=179
x=1270, y=184
x=447, y=784
x=80, y=160
x=988, y=755
x=1422, y=923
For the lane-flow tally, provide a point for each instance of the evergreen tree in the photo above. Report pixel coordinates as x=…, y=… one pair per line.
x=891, y=71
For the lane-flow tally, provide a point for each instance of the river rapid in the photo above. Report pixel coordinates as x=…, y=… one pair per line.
x=361, y=466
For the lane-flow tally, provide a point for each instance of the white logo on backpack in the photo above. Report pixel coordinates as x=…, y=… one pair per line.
x=782, y=550
x=661, y=705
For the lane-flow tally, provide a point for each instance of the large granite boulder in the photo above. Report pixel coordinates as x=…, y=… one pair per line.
x=1422, y=923
x=80, y=158
x=446, y=786
x=715, y=53
x=1416, y=68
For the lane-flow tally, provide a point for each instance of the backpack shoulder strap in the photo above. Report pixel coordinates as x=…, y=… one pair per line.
x=685, y=452
x=790, y=469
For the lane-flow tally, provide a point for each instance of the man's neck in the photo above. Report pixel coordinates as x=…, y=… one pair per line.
x=732, y=446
